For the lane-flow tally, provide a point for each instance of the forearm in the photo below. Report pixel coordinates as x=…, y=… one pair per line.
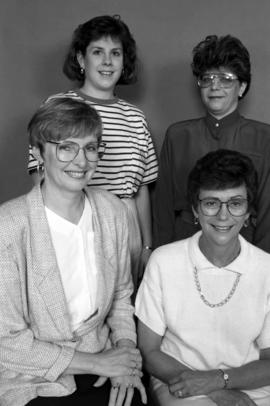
x=162, y=366
x=83, y=363
x=143, y=205
x=250, y=376
x=109, y=363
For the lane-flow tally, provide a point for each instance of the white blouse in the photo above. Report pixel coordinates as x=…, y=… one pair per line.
x=75, y=254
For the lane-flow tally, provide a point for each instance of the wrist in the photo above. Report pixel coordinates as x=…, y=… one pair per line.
x=147, y=247
x=224, y=378
x=125, y=342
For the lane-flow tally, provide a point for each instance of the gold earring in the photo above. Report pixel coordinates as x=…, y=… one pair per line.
x=196, y=220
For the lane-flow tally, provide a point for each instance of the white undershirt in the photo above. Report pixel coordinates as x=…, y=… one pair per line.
x=75, y=254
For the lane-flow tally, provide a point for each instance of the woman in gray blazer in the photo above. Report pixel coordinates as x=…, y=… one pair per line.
x=66, y=322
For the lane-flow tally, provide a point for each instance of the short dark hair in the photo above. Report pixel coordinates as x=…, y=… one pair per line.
x=93, y=30
x=223, y=169
x=226, y=51
x=61, y=118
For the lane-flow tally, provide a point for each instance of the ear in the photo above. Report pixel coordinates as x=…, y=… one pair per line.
x=195, y=213
x=37, y=154
x=80, y=59
x=242, y=89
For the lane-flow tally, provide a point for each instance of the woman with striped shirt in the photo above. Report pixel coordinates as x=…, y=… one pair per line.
x=102, y=54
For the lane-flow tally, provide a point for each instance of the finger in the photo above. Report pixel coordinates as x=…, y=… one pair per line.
x=100, y=381
x=142, y=391
x=113, y=395
x=175, y=387
x=179, y=394
x=135, y=372
x=121, y=395
x=133, y=351
x=129, y=396
x=136, y=364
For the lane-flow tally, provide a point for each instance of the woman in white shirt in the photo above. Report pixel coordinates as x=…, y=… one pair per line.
x=66, y=322
x=204, y=302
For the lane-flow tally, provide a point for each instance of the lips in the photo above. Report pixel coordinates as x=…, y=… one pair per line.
x=106, y=73
x=76, y=174
x=222, y=229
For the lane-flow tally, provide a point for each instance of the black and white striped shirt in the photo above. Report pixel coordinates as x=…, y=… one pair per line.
x=130, y=159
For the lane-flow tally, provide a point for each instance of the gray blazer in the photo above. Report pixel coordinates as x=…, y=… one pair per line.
x=36, y=341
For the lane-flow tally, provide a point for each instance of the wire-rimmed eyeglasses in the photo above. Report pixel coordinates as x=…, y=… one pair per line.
x=236, y=207
x=66, y=151
x=225, y=80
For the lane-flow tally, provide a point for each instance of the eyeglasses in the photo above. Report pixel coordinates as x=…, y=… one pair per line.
x=66, y=151
x=225, y=80
x=211, y=206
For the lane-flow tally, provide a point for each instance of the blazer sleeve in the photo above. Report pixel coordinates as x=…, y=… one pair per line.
x=120, y=318
x=20, y=351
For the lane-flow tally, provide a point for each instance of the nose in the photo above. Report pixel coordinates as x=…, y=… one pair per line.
x=107, y=60
x=80, y=159
x=215, y=83
x=223, y=212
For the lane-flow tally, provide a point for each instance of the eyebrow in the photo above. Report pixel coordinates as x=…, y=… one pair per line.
x=232, y=197
x=99, y=47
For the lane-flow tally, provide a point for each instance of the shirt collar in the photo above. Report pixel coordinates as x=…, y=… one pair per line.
x=215, y=125
x=239, y=264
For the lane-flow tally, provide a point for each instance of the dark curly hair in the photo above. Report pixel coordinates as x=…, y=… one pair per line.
x=93, y=30
x=223, y=169
x=226, y=51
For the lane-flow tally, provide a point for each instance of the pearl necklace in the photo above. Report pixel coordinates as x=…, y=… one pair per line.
x=224, y=301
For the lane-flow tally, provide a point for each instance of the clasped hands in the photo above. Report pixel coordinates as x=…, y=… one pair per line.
x=123, y=366
x=210, y=383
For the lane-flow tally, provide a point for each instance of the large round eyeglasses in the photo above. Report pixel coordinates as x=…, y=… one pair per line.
x=236, y=207
x=66, y=151
x=225, y=80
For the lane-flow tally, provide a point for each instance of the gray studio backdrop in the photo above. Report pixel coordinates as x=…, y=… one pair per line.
x=35, y=34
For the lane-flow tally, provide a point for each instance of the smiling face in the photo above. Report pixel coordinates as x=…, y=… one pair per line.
x=66, y=177
x=220, y=101
x=103, y=64
x=222, y=229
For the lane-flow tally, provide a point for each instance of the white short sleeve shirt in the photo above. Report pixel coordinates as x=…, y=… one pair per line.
x=197, y=335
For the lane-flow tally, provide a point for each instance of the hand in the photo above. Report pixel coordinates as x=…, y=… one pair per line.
x=193, y=383
x=122, y=361
x=229, y=397
x=123, y=389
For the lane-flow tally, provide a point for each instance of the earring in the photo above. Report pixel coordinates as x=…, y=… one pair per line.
x=196, y=220
x=246, y=223
x=82, y=71
x=40, y=167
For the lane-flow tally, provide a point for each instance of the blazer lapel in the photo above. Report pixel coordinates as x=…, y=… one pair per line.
x=46, y=274
x=103, y=252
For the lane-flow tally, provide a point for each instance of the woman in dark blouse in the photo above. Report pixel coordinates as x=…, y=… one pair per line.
x=221, y=66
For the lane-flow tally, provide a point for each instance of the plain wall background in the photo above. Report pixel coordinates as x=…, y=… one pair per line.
x=35, y=35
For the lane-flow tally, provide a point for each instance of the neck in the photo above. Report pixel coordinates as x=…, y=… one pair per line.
x=67, y=205
x=218, y=255
x=97, y=94
x=218, y=116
